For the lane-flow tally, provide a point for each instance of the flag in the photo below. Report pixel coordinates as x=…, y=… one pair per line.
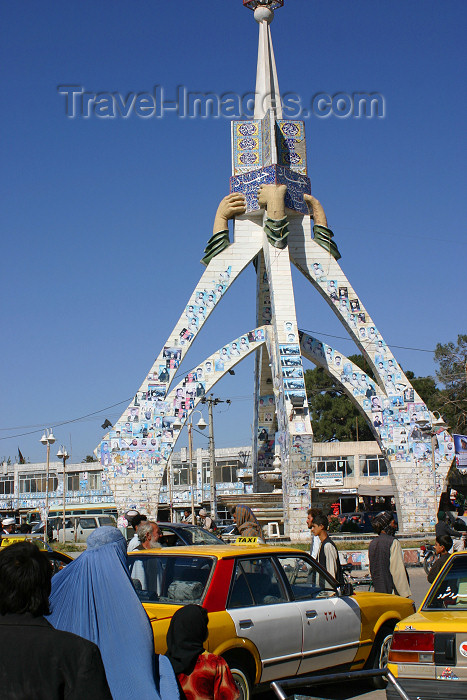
x=21, y=458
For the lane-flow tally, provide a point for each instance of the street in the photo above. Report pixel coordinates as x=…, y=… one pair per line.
x=358, y=690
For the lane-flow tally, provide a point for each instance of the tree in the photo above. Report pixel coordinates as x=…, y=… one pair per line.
x=451, y=374
x=426, y=388
x=332, y=414
x=335, y=417
x=89, y=458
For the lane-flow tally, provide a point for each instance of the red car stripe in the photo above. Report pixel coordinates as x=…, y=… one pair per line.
x=216, y=597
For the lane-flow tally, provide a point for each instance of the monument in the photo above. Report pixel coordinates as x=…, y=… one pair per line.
x=272, y=210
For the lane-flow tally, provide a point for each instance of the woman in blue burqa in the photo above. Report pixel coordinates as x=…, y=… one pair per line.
x=93, y=597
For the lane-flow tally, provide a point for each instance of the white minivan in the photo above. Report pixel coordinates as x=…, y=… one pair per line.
x=79, y=527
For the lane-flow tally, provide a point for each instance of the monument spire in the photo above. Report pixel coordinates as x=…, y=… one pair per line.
x=267, y=85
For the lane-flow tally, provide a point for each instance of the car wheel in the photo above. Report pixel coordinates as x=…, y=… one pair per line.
x=379, y=655
x=242, y=682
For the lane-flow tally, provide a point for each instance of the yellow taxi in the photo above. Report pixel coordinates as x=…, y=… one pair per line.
x=273, y=612
x=428, y=653
x=58, y=559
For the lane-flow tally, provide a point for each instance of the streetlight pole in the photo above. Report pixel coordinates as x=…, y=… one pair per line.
x=190, y=450
x=211, y=401
x=47, y=439
x=212, y=462
x=177, y=426
x=63, y=455
x=170, y=488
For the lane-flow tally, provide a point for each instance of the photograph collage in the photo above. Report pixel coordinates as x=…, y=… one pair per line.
x=394, y=417
x=351, y=309
x=145, y=434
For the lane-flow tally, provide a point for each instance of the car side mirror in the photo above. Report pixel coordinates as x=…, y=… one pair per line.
x=346, y=589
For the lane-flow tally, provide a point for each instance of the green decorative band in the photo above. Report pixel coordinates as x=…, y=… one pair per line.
x=277, y=231
x=323, y=237
x=218, y=242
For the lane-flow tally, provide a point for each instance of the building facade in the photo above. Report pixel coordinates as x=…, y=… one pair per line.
x=352, y=475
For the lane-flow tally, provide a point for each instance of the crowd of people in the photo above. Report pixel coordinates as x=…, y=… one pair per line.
x=87, y=616
x=385, y=556
x=82, y=620
x=86, y=620
x=386, y=559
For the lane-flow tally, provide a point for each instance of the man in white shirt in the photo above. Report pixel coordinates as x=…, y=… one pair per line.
x=328, y=556
x=135, y=522
x=315, y=541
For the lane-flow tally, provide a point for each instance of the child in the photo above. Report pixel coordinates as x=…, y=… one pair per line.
x=442, y=546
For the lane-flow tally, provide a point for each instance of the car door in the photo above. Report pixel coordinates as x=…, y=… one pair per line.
x=331, y=622
x=84, y=526
x=262, y=612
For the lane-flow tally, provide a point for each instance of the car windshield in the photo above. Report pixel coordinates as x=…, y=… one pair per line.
x=170, y=579
x=196, y=535
x=450, y=591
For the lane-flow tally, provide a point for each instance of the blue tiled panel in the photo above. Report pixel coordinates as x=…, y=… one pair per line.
x=247, y=146
x=297, y=186
x=291, y=145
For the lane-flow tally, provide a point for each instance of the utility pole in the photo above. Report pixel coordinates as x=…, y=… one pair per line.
x=211, y=401
x=192, y=493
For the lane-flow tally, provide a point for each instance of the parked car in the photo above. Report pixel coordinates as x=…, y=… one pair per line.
x=428, y=653
x=79, y=527
x=180, y=534
x=273, y=612
x=58, y=559
x=356, y=522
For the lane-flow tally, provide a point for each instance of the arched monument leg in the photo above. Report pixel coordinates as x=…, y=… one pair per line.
x=371, y=401
x=411, y=461
x=134, y=475
x=136, y=469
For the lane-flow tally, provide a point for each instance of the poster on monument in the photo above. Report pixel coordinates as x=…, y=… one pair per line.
x=460, y=448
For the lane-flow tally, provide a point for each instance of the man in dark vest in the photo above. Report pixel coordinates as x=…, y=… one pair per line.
x=328, y=556
x=387, y=567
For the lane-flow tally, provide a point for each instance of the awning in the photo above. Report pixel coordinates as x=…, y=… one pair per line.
x=376, y=490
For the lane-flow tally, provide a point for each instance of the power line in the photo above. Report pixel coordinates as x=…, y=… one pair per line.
x=65, y=422
x=342, y=337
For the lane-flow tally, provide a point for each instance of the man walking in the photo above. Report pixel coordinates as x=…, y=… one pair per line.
x=206, y=521
x=386, y=559
x=328, y=556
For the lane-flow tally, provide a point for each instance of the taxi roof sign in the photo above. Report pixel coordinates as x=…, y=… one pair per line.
x=242, y=541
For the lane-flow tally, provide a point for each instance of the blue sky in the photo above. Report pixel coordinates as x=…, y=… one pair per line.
x=104, y=221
